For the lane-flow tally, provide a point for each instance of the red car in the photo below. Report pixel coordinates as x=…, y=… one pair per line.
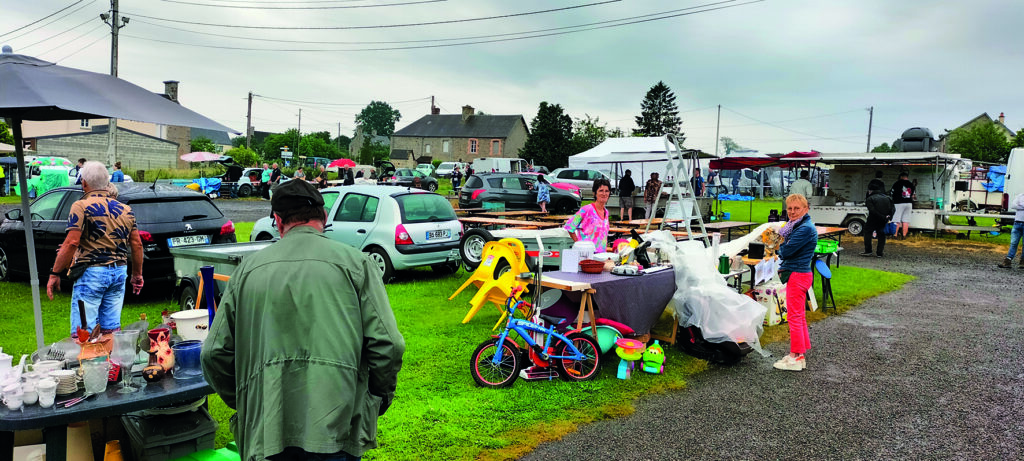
x=561, y=185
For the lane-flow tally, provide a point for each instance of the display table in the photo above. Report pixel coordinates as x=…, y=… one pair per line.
x=494, y=222
x=634, y=301
x=54, y=420
x=728, y=226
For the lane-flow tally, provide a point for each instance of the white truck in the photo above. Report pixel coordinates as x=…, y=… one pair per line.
x=499, y=165
x=935, y=174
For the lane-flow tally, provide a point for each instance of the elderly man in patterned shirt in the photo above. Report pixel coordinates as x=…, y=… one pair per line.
x=100, y=232
x=651, y=195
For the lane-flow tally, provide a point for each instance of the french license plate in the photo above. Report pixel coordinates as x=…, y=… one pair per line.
x=188, y=240
x=439, y=234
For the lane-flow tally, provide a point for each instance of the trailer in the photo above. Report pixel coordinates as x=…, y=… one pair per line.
x=935, y=175
x=224, y=258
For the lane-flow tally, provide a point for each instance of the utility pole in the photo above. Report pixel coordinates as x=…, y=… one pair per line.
x=717, y=125
x=339, y=137
x=115, y=22
x=871, y=119
x=248, y=123
x=298, y=135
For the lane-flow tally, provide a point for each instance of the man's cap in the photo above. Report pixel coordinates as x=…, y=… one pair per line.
x=295, y=193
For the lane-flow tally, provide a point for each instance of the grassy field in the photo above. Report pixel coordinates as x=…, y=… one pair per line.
x=439, y=413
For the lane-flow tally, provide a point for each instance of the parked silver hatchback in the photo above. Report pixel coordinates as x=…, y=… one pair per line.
x=397, y=227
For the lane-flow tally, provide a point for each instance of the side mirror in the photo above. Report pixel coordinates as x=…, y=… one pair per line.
x=14, y=215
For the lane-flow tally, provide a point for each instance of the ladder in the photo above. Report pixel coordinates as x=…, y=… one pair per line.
x=681, y=164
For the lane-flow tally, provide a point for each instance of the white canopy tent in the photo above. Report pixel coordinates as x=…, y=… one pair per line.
x=643, y=155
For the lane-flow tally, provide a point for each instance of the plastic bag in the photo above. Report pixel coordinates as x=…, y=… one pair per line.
x=703, y=298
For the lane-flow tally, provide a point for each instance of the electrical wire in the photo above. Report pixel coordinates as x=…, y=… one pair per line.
x=777, y=121
x=383, y=26
x=706, y=10
x=786, y=129
x=74, y=39
x=40, y=19
x=57, y=34
x=380, y=5
x=51, y=22
x=471, y=37
x=337, y=104
x=82, y=48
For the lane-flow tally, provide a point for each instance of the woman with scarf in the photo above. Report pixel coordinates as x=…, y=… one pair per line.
x=797, y=252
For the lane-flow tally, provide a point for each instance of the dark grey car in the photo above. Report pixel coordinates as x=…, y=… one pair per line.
x=516, y=191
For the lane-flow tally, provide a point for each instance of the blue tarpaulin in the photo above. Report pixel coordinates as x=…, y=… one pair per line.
x=735, y=197
x=208, y=185
x=997, y=178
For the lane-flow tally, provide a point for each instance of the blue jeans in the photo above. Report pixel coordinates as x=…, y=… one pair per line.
x=1015, y=235
x=102, y=289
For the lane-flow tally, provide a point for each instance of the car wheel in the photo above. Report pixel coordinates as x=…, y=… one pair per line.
x=471, y=247
x=245, y=190
x=383, y=262
x=432, y=186
x=449, y=267
x=501, y=268
x=855, y=226
x=566, y=206
x=5, y=265
x=264, y=236
x=189, y=298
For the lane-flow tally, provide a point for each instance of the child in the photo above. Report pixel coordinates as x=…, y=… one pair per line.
x=543, y=194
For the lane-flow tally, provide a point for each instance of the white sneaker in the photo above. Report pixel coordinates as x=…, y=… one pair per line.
x=791, y=364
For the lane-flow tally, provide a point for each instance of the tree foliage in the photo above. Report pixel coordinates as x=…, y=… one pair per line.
x=378, y=118
x=238, y=141
x=314, y=145
x=1018, y=139
x=728, y=145
x=659, y=114
x=5, y=134
x=372, y=150
x=588, y=132
x=273, y=144
x=550, y=139
x=980, y=141
x=204, y=144
x=243, y=156
x=342, y=142
x=885, y=147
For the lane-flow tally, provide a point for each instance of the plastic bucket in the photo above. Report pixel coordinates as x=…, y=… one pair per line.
x=606, y=336
x=186, y=359
x=192, y=324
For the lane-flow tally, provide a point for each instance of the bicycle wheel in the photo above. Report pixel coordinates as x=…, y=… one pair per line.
x=579, y=370
x=488, y=374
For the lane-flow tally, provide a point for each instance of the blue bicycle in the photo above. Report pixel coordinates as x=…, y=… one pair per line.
x=497, y=361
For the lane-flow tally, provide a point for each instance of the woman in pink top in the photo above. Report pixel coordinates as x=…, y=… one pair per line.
x=591, y=222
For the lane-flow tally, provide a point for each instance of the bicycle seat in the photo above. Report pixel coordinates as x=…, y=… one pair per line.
x=551, y=320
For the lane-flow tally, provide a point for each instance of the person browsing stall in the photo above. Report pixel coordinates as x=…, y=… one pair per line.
x=543, y=192
x=903, y=195
x=591, y=222
x=626, y=187
x=309, y=361
x=797, y=252
x=117, y=175
x=100, y=232
x=803, y=185
x=651, y=191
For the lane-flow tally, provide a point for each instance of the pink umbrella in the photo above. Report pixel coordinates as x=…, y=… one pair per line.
x=200, y=157
x=342, y=163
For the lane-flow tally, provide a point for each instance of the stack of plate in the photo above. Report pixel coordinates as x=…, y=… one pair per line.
x=67, y=381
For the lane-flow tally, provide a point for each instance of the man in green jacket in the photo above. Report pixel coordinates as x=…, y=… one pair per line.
x=304, y=344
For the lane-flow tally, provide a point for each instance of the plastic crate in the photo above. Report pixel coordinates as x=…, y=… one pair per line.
x=166, y=437
x=228, y=453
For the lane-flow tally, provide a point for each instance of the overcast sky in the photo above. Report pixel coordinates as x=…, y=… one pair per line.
x=789, y=74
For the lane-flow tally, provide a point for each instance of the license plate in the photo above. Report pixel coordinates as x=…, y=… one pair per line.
x=439, y=234
x=188, y=240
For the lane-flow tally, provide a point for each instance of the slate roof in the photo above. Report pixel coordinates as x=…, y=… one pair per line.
x=401, y=154
x=452, y=126
x=218, y=137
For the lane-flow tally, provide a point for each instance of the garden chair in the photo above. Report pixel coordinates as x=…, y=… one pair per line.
x=492, y=286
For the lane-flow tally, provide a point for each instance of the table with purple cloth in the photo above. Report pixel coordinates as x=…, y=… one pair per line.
x=636, y=301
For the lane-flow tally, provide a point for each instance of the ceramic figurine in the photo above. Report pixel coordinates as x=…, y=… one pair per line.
x=160, y=340
x=153, y=371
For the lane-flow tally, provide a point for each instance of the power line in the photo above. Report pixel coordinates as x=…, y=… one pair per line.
x=471, y=37
x=706, y=10
x=58, y=34
x=779, y=121
x=40, y=19
x=74, y=39
x=102, y=37
x=338, y=104
x=383, y=26
x=786, y=129
x=380, y=5
x=51, y=22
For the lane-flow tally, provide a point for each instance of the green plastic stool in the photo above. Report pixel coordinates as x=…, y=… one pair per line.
x=228, y=453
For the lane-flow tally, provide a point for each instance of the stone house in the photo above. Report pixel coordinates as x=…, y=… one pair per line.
x=361, y=138
x=1000, y=124
x=135, y=151
x=462, y=137
x=402, y=158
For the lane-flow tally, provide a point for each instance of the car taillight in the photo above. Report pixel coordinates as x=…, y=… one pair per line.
x=476, y=194
x=462, y=230
x=402, y=236
x=227, y=228
x=1006, y=202
x=146, y=236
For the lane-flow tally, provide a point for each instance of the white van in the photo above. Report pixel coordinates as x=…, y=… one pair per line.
x=499, y=165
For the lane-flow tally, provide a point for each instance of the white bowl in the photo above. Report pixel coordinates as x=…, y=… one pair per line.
x=192, y=324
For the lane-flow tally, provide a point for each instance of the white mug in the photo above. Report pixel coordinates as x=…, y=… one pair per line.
x=31, y=397
x=14, y=401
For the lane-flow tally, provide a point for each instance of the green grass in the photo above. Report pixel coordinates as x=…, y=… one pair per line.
x=755, y=211
x=10, y=200
x=439, y=413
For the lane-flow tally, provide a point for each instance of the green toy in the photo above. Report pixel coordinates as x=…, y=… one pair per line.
x=654, y=359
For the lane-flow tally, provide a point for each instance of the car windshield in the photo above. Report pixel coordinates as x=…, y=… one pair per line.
x=178, y=210
x=421, y=207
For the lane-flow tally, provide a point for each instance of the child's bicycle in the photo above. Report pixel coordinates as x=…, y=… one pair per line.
x=497, y=361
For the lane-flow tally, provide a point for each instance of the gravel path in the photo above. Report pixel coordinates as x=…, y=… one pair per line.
x=932, y=371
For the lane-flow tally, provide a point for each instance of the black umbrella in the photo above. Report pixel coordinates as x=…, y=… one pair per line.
x=33, y=89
